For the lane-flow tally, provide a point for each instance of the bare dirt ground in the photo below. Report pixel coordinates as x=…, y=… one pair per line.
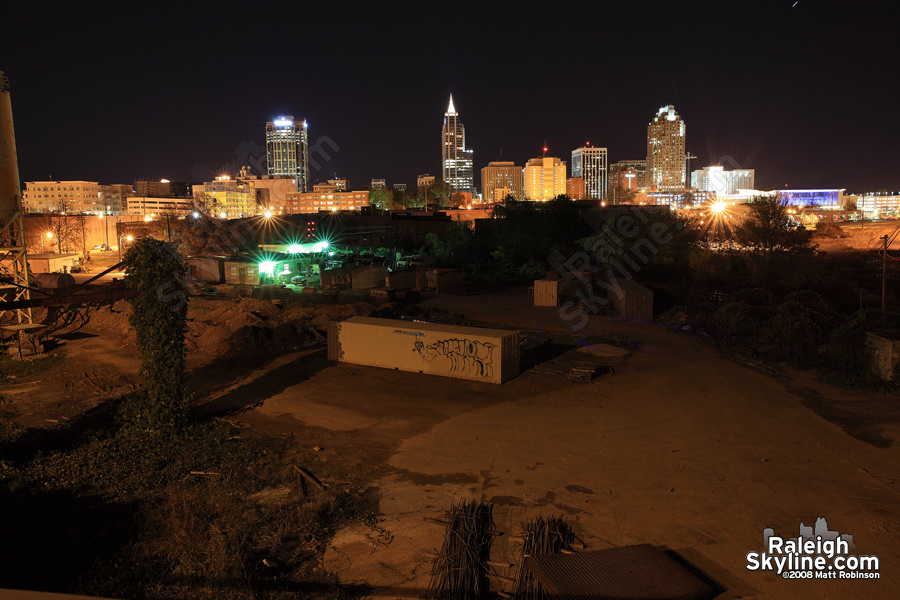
x=679, y=447
x=856, y=236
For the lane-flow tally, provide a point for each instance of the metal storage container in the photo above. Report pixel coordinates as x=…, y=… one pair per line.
x=552, y=292
x=632, y=300
x=490, y=355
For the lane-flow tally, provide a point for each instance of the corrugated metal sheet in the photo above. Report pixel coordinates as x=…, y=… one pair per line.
x=490, y=355
x=629, y=572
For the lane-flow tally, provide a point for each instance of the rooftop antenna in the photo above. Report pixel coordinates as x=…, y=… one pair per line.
x=545, y=147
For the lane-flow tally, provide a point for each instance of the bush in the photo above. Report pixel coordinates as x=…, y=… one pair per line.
x=159, y=318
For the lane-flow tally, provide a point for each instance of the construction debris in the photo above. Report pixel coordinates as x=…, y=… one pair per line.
x=460, y=570
x=540, y=536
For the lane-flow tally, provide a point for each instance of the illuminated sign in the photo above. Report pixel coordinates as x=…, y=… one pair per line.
x=283, y=122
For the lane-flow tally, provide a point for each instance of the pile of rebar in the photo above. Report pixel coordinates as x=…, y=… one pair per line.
x=460, y=570
x=540, y=536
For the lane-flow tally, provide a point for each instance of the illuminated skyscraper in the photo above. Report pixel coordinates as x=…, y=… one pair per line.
x=287, y=149
x=590, y=164
x=666, y=160
x=457, y=166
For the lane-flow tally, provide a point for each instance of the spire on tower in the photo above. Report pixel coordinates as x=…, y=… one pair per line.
x=450, y=109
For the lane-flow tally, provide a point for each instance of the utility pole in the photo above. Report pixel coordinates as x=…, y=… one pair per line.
x=884, y=273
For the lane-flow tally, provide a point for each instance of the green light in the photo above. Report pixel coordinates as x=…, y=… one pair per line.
x=267, y=267
x=295, y=249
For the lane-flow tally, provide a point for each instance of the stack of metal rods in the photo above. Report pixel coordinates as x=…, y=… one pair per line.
x=460, y=570
x=540, y=536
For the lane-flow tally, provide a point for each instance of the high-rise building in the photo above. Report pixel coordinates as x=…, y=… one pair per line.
x=287, y=150
x=502, y=179
x=545, y=178
x=457, y=163
x=666, y=160
x=590, y=164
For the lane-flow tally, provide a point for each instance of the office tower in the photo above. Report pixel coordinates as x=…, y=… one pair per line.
x=666, y=160
x=457, y=166
x=287, y=150
x=545, y=178
x=502, y=179
x=590, y=164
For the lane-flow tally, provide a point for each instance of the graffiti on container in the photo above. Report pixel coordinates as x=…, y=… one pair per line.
x=467, y=357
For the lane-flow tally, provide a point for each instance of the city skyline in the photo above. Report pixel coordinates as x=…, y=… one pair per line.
x=757, y=91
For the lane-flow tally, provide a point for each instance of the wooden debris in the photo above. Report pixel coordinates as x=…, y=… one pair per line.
x=310, y=478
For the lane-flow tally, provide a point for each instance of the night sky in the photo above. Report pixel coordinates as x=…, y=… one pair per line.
x=804, y=92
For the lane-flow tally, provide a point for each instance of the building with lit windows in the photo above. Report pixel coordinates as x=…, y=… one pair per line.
x=457, y=165
x=228, y=198
x=590, y=164
x=151, y=208
x=325, y=197
x=114, y=198
x=833, y=198
x=575, y=188
x=425, y=180
x=545, y=178
x=500, y=179
x=71, y=197
x=628, y=175
x=287, y=150
x=666, y=159
x=724, y=183
x=882, y=204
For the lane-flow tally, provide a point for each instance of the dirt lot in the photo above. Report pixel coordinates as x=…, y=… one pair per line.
x=678, y=447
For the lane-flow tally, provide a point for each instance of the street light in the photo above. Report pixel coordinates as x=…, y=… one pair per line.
x=49, y=237
x=106, y=228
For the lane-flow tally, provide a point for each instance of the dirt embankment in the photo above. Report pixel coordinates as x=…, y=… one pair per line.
x=223, y=326
x=219, y=327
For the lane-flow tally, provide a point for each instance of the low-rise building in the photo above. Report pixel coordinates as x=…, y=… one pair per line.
x=155, y=207
x=71, y=197
x=325, y=197
x=228, y=198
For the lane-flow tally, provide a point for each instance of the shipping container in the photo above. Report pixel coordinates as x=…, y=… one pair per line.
x=490, y=355
x=632, y=300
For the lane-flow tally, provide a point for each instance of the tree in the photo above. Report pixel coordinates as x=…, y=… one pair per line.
x=159, y=317
x=381, y=198
x=769, y=226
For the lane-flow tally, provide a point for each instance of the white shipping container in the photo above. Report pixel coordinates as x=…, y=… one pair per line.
x=490, y=355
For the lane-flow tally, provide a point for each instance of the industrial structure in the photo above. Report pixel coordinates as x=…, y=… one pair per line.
x=14, y=285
